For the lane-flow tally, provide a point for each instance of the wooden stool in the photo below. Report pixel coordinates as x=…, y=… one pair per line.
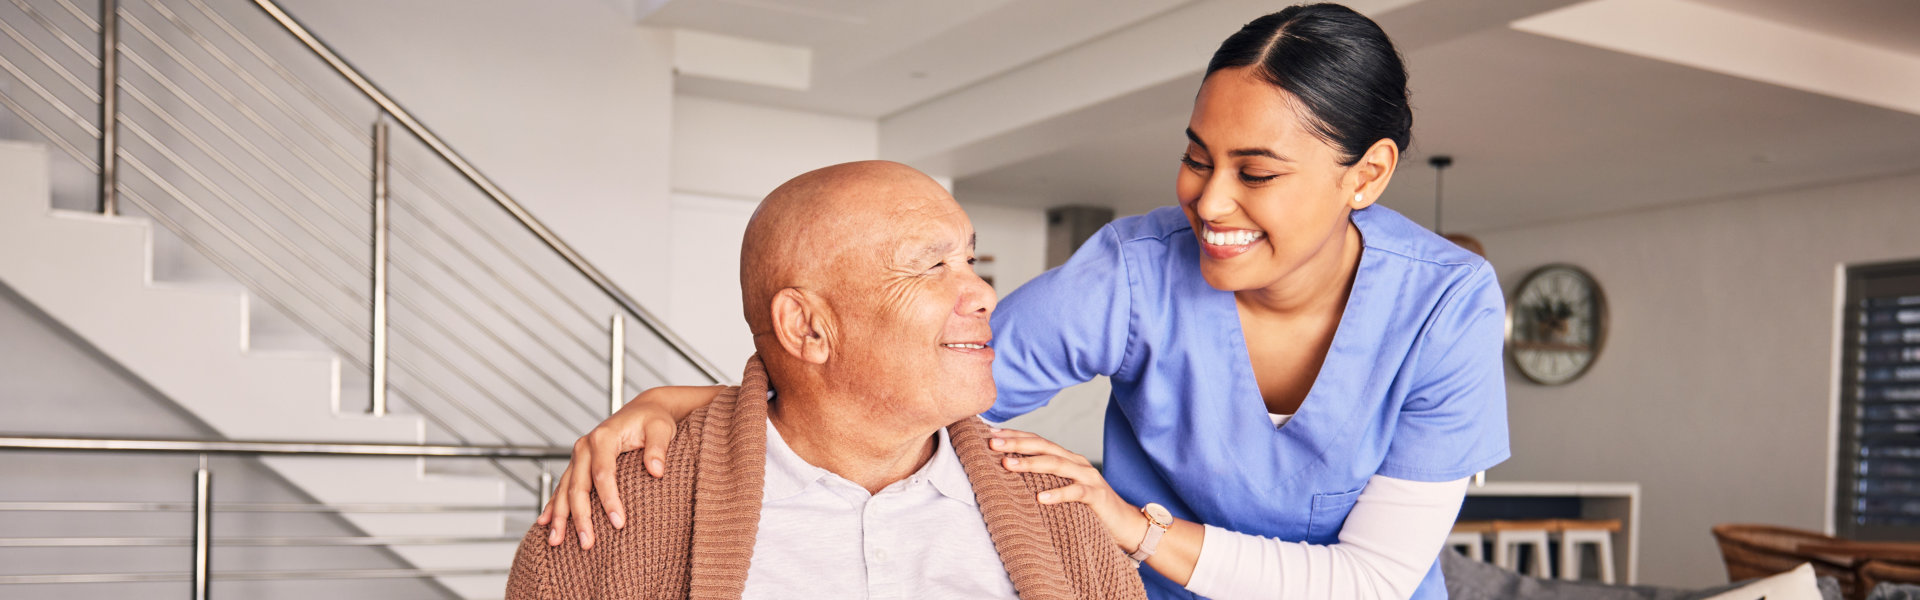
x=1470, y=537
x=1532, y=534
x=1576, y=533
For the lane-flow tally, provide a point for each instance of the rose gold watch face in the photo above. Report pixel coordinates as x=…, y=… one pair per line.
x=1159, y=514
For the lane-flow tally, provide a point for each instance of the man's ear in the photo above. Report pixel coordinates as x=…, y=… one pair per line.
x=1368, y=178
x=800, y=323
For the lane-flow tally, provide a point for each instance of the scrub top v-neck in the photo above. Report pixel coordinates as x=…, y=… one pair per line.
x=1412, y=387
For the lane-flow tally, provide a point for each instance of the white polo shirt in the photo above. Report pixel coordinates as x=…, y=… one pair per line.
x=822, y=536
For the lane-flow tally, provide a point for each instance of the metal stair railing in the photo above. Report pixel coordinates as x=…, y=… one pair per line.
x=204, y=540
x=238, y=131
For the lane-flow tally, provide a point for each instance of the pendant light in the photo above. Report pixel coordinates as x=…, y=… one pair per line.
x=1440, y=163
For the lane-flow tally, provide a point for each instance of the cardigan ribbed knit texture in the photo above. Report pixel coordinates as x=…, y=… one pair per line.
x=691, y=533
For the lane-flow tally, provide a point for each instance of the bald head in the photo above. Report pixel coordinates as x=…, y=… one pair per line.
x=818, y=227
x=859, y=288
x=858, y=285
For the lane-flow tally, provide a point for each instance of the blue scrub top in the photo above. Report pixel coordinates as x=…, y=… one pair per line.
x=1412, y=388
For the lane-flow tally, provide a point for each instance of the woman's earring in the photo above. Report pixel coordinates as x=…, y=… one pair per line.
x=1357, y=198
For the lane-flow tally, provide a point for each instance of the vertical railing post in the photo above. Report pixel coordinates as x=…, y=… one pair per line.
x=109, y=107
x=546, y=489
x=202, y=528
x=616, y=375
x=379, y=358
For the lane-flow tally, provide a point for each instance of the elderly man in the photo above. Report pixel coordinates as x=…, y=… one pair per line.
x=849, y=461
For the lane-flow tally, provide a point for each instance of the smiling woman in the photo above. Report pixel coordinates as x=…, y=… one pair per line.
x=1308, y=375
x=1302, y=381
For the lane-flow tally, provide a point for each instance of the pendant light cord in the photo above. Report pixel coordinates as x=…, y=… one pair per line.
x=1440, y=163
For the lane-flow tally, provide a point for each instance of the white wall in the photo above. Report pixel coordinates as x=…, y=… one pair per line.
x=726, y=157
x=1017, y=240
x=743, y=151
x=565, y=104
x=1715, y=387
x=704, y=306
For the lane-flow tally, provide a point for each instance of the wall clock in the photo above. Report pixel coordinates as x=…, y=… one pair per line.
x=1556, y=324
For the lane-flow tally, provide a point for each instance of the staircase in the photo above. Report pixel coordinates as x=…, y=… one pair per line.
x=288, y=254
x=191, y=343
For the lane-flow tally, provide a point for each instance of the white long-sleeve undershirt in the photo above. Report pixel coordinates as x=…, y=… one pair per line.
x=1386, y=547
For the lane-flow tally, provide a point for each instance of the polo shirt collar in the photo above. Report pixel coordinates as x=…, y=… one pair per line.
x=945, y=472
x=788, y=475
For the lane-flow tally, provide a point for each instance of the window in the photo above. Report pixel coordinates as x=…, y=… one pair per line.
x=1879, y=483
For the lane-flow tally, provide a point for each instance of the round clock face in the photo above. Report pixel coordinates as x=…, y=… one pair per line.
x=1556, y=324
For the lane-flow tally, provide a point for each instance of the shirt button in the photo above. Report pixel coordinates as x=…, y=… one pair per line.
x=879, y=556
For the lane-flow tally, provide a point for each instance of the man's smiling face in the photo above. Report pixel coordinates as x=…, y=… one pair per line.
x=869, y=267
x=913, y=310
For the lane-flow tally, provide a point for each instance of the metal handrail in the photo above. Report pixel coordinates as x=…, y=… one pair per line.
x=314, y=303
x=346, y=123
x=327, y=305
x=260, y=507
x=280, y=448
x=203, y=508
x=177, y=576
x=499, y=196
x=254, y=542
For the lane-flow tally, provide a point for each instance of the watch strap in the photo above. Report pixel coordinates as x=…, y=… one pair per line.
x=1148, y=544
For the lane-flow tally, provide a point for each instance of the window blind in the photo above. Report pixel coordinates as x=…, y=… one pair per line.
x=1879, y=495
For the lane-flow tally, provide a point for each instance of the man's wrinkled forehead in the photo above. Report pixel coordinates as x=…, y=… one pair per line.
x=923, y=235
x=925, y=251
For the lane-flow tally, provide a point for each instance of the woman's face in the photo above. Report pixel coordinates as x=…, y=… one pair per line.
x=1265, y=195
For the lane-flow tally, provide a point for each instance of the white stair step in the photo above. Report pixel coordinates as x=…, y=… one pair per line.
x=250, y=373
x=176, y=262
x=270, y=329
x=478, y=587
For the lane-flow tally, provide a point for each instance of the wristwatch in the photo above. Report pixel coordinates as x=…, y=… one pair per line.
x=1158, y=520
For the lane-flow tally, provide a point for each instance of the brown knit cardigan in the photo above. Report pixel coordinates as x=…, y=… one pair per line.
x=691, y=533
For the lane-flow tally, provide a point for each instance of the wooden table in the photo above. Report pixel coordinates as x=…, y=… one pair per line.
x=1596, y=500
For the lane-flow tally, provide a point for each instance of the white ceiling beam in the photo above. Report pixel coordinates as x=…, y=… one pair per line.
x=639, y=10
x=729, y=58
x=1145, y=72
x=1733, y=43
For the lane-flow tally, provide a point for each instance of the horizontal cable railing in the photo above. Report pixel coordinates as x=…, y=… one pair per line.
x=268, y=156
x=79, y=444
x=246, y=507
x=71, y=542
x=203, y=541
x=248, y=576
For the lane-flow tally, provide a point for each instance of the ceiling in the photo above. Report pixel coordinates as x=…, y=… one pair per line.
x=1542, y=128
x=1891, y=24
x=872, y=58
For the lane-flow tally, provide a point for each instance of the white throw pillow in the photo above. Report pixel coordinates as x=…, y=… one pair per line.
x=1797, y=584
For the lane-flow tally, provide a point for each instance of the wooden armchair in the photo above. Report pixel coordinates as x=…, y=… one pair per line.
x=1876, y=572
x=1760, y=550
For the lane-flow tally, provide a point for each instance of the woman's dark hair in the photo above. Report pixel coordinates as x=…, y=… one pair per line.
x=1338, y=63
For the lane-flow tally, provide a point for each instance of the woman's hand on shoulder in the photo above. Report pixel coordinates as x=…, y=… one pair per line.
x=646, y=423
x=1089, y=487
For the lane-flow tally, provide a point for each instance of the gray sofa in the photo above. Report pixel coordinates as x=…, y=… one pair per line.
x=1469, y=579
